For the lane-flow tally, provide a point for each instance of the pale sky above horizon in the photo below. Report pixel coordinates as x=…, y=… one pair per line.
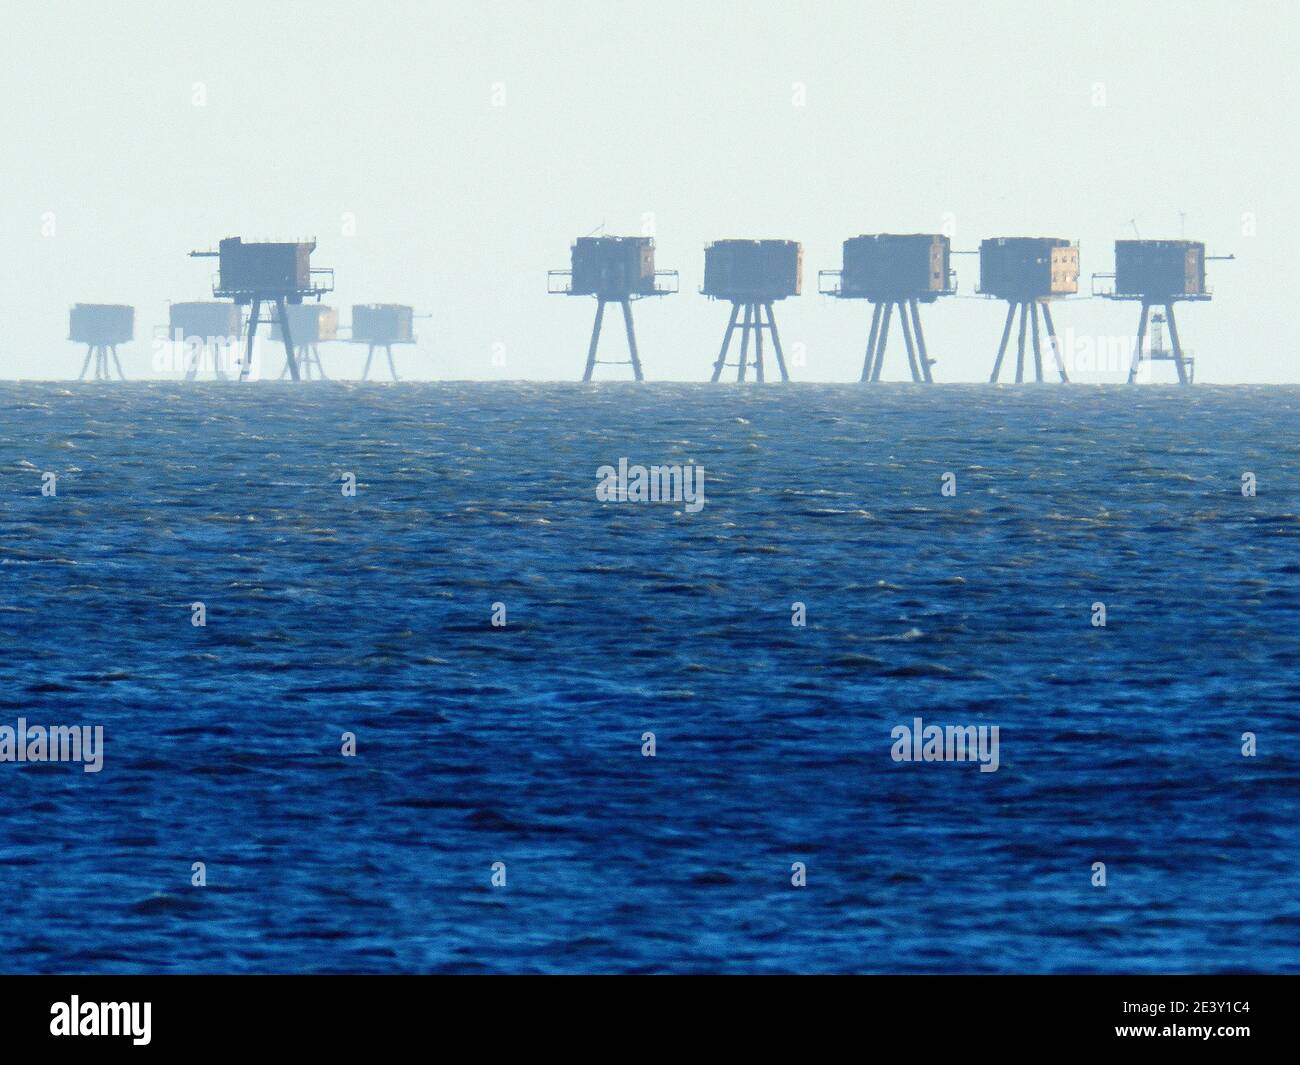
x=445, y=155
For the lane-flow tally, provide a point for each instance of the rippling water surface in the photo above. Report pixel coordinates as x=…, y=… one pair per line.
x=328, y=614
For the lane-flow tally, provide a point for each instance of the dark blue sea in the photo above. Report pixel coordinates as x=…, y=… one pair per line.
x=522, y=744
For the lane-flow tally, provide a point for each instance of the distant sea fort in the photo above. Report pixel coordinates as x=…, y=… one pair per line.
x=895, y=273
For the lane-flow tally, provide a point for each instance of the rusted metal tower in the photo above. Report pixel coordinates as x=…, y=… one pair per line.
x=101, y=327
x=310, y=325
x=205, y=329
x=893, y=270
x=1158, y=273
x=752, y=274
x=1028, y=272
x=381, y=325
x=614, y=270
x=276, y=273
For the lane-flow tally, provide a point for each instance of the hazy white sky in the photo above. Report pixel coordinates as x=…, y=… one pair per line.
x=471, y=142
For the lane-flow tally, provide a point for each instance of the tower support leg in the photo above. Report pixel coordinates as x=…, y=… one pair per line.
x=1038, y=351
x=631, y=340
x=923, y=356
x=1183, y=376
x=287, y=333
x=882, y=342
x=90, y=351
x=392, y=367
x=726, y=342
x=320, y=367
x=776, y=344
x=1055, y=342
x=869, y=361
x=253, y=319
x=744, y=342
x=120, y=375
x=370, y=354
x=1020, y=345
x=1137, y=347
x=595, y=339
x=907, y=342
x=758, y=342
x=1002, y=347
